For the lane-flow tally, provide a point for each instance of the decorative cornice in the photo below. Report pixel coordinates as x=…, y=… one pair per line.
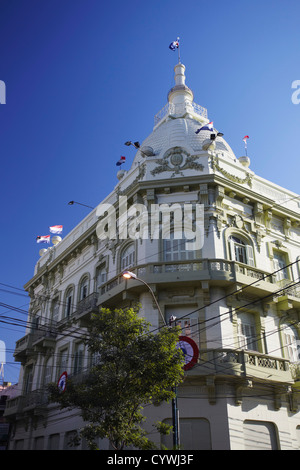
x=235, y=179
x=140, y=176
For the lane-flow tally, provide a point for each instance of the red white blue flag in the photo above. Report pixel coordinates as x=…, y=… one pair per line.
x=207, y=127
x=43, y=239
x=122, y=160
x=56, y=229
x=174, y=45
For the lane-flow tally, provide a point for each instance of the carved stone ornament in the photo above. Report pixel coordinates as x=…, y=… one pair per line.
x=235, y=179
x=177, y=159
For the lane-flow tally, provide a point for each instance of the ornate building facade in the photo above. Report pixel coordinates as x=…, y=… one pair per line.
x=237, y=295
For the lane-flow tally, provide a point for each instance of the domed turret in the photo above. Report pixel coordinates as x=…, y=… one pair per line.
x=176, y=132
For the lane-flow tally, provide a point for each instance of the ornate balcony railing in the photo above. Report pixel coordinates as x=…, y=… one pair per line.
x=211, y=363
x=47, y=330
x=87, y=304
x=171, y=108
x=243, y=363
x=220, y=270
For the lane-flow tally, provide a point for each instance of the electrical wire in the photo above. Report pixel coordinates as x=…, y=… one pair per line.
x=7, y=320
x=46, y=327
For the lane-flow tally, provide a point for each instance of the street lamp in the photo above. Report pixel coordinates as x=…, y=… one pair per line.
x=130, y=275
x=74, y=202
x=176, y=443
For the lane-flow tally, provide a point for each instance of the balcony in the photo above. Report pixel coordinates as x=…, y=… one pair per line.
x=13, y=406
x=35, y=402
x=216, y=363
x=242, y=363
x=219, y=272
x=23, y=348
x=85, y=307
x=44, y=336
x=81, y=312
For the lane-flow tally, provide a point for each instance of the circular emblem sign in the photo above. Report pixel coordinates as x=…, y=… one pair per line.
x=190, y=351
x=62, y=382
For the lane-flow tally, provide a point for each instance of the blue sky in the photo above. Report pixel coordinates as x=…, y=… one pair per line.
x=84, y=76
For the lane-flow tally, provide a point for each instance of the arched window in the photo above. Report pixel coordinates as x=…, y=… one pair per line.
x=68, y=304
x=290, y=342
x=128, y=257
x=240, y=250
x=84, y=288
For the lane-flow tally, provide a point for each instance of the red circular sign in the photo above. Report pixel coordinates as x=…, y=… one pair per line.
x=62, y=381
x=190, y=351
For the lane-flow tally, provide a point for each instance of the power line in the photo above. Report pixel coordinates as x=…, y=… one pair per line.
x=23, y=323
x=78, y=335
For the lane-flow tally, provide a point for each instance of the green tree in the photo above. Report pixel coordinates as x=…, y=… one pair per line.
x=134, y=367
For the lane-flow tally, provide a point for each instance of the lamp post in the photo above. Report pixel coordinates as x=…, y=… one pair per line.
x=80, y=204
x=130, y=275
x=175, y=420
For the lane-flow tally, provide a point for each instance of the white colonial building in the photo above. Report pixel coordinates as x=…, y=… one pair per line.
x=237, y=295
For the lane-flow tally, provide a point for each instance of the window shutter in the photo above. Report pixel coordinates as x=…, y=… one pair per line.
x=231, y=250
x=250, y=255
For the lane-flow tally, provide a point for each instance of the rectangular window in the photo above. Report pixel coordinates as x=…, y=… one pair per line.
x=70, y=440
x=35, y=322
x=279, y=263
x=101, y=276
x=48, y=372
x=53, y=442
x=63, y=361
x=55, y=310
x=247, y=335
x=240, y=253
x=175, y=250
x=28, y=380
x=78, y=358
x=39, y=443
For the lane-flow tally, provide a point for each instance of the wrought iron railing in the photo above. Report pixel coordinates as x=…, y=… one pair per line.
x=171, y=108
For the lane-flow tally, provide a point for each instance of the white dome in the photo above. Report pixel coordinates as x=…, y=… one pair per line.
x=181, y=132
x=176, y=125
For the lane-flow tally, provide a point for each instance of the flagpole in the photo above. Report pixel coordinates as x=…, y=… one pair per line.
x=245, y=141
x=178, y=50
